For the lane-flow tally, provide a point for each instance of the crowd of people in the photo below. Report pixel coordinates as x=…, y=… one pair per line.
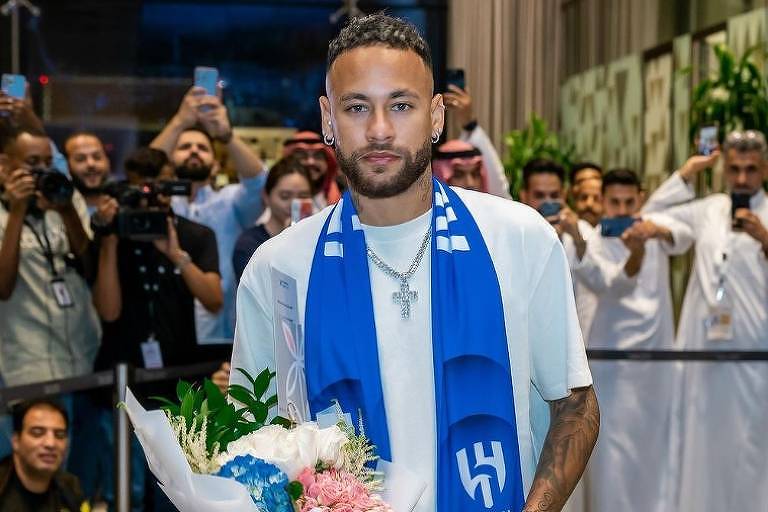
x=141, y=265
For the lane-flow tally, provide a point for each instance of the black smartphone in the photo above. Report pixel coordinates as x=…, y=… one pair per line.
x=615, y=226
x=738, y=201
x=550, y=209
x=455, y=76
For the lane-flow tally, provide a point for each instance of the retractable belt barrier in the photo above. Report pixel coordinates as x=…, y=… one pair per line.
x=678, y=355
x=101, y=380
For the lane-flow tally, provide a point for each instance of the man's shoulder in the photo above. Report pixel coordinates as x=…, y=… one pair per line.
x=190, y=228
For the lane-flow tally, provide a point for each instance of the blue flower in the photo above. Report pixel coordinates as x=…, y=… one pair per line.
x=264, y=481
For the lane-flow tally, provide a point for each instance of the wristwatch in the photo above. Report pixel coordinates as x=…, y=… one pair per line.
x=184, y=260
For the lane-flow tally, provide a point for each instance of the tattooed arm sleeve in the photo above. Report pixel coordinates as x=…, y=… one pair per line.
x=574, y=424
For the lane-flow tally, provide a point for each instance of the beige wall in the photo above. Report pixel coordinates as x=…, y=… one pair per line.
x=511, y=52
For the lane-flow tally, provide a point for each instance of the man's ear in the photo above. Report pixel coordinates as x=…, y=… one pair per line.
x=438, y=114
x=523, y=196
x=327, y=118
x=15, y=442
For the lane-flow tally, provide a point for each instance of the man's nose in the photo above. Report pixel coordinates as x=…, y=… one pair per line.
x=380, y=127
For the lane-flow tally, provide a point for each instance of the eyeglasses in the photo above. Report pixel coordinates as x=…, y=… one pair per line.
x=750, y=138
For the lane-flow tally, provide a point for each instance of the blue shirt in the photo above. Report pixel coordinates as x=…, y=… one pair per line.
x=227, y=212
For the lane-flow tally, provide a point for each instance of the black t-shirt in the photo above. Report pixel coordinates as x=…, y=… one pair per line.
x=17, y=498
x=156, y=300
x=247, y=243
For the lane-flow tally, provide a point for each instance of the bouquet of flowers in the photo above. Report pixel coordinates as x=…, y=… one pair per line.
x=213, y=452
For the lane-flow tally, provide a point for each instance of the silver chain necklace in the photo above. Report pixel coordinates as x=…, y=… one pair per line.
x=405, y=297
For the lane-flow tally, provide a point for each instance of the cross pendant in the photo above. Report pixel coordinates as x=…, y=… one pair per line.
x=404, y=298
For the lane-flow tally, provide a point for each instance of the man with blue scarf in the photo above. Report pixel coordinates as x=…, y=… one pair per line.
x=445, y=318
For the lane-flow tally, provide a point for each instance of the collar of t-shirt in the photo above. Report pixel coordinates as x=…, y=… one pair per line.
x=414, y=228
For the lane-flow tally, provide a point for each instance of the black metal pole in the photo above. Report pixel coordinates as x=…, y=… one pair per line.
x=123, y=377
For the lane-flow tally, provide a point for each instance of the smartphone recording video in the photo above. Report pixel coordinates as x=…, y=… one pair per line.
x=707, y=140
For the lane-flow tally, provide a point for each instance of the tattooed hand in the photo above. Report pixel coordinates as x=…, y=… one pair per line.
x=575, y=422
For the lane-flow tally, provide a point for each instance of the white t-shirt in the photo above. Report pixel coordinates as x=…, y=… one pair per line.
x=546, y=351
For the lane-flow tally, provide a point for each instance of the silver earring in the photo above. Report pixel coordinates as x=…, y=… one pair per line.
x=329, y=141
x=435, y=138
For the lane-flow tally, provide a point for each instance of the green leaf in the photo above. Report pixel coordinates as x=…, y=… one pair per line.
x=225, y=416
x=279, y=420
x=216, y=399
x=262, y=383
x=164, y=401
x=259, y=411
x=294, y=490
x=241, y=394
x=182, y=388
x=271, y=402
x=187, y=408
x=247, y=376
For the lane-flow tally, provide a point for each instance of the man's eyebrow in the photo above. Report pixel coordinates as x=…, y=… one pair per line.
x=399, y=93
x=354, y=96
x=403, y=93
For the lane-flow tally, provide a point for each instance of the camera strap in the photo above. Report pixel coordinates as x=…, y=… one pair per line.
x=58, y=285
x=44, y=247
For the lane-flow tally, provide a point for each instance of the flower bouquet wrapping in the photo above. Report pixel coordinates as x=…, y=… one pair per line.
x=212, y=452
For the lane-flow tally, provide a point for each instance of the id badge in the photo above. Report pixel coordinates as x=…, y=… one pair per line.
x=719, y=324
x=151, y=353
x=61, y=293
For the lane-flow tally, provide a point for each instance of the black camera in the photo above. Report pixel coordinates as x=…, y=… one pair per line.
x=53, y=185
x=142, y=215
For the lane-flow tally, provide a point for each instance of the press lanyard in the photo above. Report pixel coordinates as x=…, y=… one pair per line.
x=44, y=247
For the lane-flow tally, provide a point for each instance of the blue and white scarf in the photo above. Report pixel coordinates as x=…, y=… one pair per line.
x=478, y=462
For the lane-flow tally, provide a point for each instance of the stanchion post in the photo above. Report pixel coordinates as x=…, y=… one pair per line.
x=123, y=377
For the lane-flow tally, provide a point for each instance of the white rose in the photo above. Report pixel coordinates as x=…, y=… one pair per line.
x=291, y=450
x=330, y=442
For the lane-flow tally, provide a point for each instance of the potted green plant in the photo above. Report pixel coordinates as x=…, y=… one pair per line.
x=534, y=141
x=734, y=97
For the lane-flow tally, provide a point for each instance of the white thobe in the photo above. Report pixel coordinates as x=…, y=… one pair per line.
x=586, y=299
x=586, y=303
x=632, y=467
x=725, y=414
x=498, y=184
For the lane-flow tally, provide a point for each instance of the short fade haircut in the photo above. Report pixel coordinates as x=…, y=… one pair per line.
x=582, y=166
x=13, y=135
x=621, y=177
x=748, y=140
x=379, y=30
x=199, y=128
x=542, y=166
x=146, y=162
x=20, y=411
x=81, y=133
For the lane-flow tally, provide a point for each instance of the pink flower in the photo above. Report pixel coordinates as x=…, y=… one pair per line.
x=337, y=491
x=306, y=477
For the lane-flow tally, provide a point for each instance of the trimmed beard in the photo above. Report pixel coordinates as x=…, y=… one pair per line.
x=200, y=173
x=413, y=167
x=84, y=189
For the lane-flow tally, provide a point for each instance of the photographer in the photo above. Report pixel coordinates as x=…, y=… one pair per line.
x=188, y=141
x=725, y=309
x=146, y=282
x=626, y=265
x=48, y=328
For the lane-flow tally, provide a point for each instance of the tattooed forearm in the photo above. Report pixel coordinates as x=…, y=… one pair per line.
x=575, y=422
